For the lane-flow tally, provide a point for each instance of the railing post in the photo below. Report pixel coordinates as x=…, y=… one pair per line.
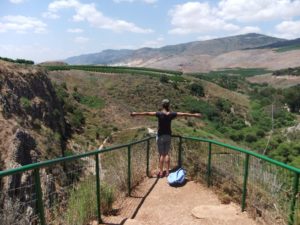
x=148, y=156
x=246, y=168
x=98, y=192
x=129, y=169
x=39, y=194
x=180, y=152
x=208, y=165
x=293, y=202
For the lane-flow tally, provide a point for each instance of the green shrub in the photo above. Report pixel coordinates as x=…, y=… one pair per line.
x=236, y=136
x=199, y=106
x=292, y=98
x=77, y=96
x=238, y=124
x=25, y=103
x=223, y=105
x=250, y=138
x=260, y=133
x=197, y=89
x=61, y=92
x=90, y=101
x=77, y=118
x=164, y=79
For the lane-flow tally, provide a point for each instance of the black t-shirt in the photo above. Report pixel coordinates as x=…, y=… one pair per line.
x=164, y=122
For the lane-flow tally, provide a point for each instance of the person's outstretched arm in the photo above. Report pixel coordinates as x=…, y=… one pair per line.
x=198, y=115
x=143, y=114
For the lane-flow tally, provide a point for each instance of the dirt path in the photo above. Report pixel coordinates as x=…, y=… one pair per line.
x=188, y=205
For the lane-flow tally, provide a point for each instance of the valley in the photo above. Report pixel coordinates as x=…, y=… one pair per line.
x=246, y=89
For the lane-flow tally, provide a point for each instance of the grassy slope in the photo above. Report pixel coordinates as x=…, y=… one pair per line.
x=125, y=93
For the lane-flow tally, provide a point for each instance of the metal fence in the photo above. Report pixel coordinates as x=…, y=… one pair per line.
x=73, y=190
x=262, y=185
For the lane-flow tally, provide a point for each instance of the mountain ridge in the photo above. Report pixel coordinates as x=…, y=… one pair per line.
x=212, y=47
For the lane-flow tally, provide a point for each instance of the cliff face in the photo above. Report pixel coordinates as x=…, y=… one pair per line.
x=32, y=129
x=30, y=116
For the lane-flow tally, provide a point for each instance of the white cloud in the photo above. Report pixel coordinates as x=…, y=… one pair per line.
x=89, y=13
x=75, y=30
x=50, y=15
x=288, y=29
x=22, y=24
x=207, y=37
x=158, y=42
x=131, y=1
x=196, y=17
x=249, y=29
x=81, y=40
x=16, y=1
x=258, y=10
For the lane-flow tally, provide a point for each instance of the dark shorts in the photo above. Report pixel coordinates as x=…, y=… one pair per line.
x=163, y=144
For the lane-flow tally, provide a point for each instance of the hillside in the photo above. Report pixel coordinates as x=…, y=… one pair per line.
x=31, y=116
x=193, y=56
x=46, y=114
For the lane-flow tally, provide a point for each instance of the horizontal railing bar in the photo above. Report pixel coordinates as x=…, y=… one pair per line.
x=265, y=158
x=67, y=158
x=74, y=157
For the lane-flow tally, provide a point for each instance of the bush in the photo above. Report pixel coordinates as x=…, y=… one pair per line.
x=164, y=79
x=61, y=92
x=77, y=118
x=25, y=103
x=238, y=124
x=223, y=105
x=236, y=136
x=197, y=89
x=198, y=106
x=292, y=98
x=250, y=138
x=90, y=101
x=260, y=133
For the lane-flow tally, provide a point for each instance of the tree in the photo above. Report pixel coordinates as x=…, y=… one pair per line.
x=292, y=98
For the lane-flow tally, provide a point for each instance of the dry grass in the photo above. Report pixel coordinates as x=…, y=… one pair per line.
x=257, y=58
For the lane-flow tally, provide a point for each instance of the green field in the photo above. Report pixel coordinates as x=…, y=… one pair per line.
x=172, y=74
x=288, y=48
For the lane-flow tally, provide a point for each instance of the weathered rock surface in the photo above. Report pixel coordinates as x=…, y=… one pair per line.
x=32, y=128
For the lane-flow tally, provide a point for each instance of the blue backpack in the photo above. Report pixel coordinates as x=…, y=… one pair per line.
x=177, y=177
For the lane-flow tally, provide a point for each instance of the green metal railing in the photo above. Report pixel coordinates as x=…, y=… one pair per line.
x=253, y=174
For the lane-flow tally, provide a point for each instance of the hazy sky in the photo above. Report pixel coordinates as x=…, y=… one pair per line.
x=49, y=30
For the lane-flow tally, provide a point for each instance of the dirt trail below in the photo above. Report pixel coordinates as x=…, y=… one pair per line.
x=191, y=204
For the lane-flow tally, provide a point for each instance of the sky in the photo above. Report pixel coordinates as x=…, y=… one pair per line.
x=45, y=30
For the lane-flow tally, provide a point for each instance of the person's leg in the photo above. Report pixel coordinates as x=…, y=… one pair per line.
x=167, y=161
x=161, y=164
x=160, y=147
x=167, y=146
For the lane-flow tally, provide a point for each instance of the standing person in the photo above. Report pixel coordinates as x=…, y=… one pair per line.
x=163, y=139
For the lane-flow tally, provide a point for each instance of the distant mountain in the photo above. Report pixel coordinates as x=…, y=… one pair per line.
x=247, y=51
x=105, y=57
x=210, y=47
x=285, y=43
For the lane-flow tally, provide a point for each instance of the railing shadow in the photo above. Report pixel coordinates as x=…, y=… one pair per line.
x=137, y=208
x=144, y=198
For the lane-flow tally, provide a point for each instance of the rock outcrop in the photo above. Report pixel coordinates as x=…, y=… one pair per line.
x=32, y=129
x=27, y=93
